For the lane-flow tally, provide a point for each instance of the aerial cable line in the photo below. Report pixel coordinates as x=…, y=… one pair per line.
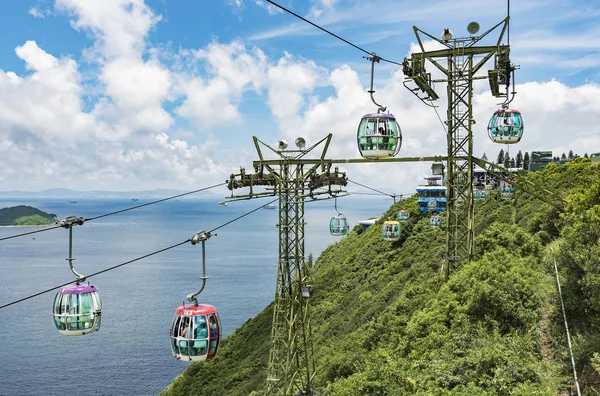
x=370, y=188
x=29, y=233
x=440, y=118
x=130, y=261
x=155, y=202
x=94, y=274
x=355, y=46
x=562, y=306
x=118, y=211
x=333, y=34
x=244, y=215
x=364, y=193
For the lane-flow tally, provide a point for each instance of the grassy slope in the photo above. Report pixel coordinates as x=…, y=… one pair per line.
x=385, y=322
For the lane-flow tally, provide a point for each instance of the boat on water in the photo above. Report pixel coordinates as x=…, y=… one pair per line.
x=135, y=199
x=73, y=201
x=270, y=206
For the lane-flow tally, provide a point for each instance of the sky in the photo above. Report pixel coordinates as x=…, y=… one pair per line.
x=127, y=95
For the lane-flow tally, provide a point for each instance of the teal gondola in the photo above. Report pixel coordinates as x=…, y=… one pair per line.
x=338, y=225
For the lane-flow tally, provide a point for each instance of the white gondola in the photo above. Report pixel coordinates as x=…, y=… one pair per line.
x=435, y=221
x=379, y=136
x=77, y=310
x=391, y=230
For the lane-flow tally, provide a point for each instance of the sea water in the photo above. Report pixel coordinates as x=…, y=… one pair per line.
x=130, y=355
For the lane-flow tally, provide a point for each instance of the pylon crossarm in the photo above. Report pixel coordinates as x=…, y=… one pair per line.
x=505, y=22
x=417, y=31
x=255, y=140
x=251, y=180
x=483, y=60
x=330, y=194
x=246, y=197
x=326, y=139
x=309, y=173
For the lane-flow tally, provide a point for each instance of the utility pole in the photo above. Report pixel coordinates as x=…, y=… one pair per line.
x=459, y=61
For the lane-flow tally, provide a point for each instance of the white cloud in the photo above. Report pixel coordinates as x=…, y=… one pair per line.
x=213, y=102
x=557, y=117
x=135, y=91
x=288, y=83
x=271, y=9
x=36, y=13
x=155, y=119
x=538, y=40
x=119, y=27
x=289, y=29
x=236, y=5
x=44, y=106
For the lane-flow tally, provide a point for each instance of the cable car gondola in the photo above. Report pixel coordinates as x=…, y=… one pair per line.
x=506, y=126
x=480, y=193
x=378, y=135
x=435, y=220
x=195, y=332
x=77, y=307
x=507, y=190
x=338, y=225
x=403, y=215
x=77, y=310
x=391, y=230
x=196, y=328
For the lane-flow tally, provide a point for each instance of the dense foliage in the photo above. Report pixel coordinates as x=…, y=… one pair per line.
x=387, y=322
x=25, y=216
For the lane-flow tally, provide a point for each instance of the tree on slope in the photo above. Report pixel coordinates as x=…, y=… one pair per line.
x=519, y=162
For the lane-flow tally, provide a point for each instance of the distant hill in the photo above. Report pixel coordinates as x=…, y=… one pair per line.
x=25, y=216
x=67, y=193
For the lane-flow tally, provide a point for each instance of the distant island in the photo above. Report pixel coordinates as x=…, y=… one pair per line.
x=25, y=216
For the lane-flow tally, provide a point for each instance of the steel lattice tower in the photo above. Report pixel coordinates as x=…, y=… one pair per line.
x=292, y=179
x=291, y=364
x=459, y=62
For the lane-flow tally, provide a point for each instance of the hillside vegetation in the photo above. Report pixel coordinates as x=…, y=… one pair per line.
x=25, y=216
x=386, y=321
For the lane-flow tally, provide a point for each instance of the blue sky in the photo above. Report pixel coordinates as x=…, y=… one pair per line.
x=133, y=94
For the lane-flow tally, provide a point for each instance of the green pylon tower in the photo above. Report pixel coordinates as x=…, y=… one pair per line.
x=458, y=61
x=291, y=365
x=292, y=179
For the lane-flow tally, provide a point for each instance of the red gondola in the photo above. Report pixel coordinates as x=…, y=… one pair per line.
x=196, y=328
x=195, y=332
